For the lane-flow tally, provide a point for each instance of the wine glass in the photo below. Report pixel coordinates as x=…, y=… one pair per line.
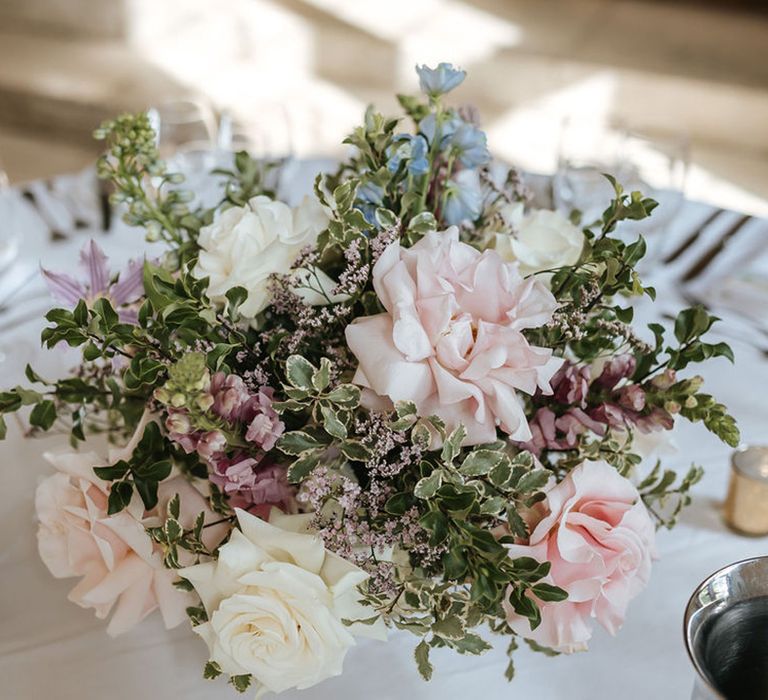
x=9, y=233
x=270, y=140
x=656, y=165
x=587, y=149
x=186, y=133
x=181, y=125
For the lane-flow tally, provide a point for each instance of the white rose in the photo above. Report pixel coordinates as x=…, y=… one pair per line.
x=245, y=245
x=543, y=239
x=275, y=600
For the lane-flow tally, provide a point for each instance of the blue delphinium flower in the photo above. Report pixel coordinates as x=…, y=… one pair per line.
x=399, y=151
x=370, y=192
x=464, y=198
x=418, y=165
x=470, y=146
x=438, y=81
x=428, y=125
x=410, y=148
x=369, y=197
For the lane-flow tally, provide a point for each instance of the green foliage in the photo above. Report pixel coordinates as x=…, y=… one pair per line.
x=663, y=498
x=212, y=670
x=241, y=683
x=330, y=409
x=148, y=465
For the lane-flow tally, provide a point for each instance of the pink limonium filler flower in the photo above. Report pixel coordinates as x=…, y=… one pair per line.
x=451, y=339
x=599, y=538
x=121, y=291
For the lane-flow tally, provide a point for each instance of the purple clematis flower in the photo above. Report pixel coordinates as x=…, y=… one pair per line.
x=121, y=291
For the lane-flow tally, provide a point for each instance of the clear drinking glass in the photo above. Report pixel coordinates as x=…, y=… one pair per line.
x=656, y=165
x=270, y=136
x=187, y=140
x=9, y=233
x=182, y=124
x=270, y=140
x=587, y=149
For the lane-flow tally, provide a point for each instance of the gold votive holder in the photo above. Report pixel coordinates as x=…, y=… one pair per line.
x=746, y=507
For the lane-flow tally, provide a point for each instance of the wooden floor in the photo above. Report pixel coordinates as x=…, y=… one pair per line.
x=298, y=74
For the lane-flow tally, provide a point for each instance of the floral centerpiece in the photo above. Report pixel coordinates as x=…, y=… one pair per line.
x=410, y=402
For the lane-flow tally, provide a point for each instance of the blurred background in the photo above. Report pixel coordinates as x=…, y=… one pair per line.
x=689, y=80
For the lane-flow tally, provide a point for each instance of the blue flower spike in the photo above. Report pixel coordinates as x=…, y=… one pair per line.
x=470, y=146
x=437, y=81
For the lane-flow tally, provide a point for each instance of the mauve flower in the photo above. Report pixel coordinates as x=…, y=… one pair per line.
x=253, y=486
x=599, y=539
x=610, y=414
x=551, y=432
x=229, y=393
x=656, y=419
x=451, y=338
x=264, y=424
x=570, y=385
x=616, y=369
x=631, y=397
x=211, y=444
x=121, y=569
x=264, y=430
x=437, y=81
x=121, y=292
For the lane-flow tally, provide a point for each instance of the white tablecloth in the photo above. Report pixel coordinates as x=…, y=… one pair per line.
x=50, y=648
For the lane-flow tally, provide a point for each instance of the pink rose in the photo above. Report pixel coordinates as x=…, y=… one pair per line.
x=600, y=540
x=121, y=569
x=451, y=339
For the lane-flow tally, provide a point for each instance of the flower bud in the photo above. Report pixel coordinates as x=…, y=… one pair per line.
x=664, y=380
x=178, y=423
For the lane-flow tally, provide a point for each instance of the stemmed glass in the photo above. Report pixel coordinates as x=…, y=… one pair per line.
x=182, y=126
x=186, y=139
x=269, y=140
x=655, y=164
x=9, y=235
x=586, y=150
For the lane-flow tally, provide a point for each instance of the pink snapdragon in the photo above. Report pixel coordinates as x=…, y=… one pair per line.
x=247, y=476
x=254, y=486
x=622, y=405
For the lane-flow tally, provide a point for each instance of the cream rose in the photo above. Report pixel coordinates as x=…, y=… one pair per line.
x=542, y=239
x=245, y=245
x=276, y=599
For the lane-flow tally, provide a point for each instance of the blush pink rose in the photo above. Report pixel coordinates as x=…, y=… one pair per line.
x=451, y=339
x=120, y=568
x=599, y=538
